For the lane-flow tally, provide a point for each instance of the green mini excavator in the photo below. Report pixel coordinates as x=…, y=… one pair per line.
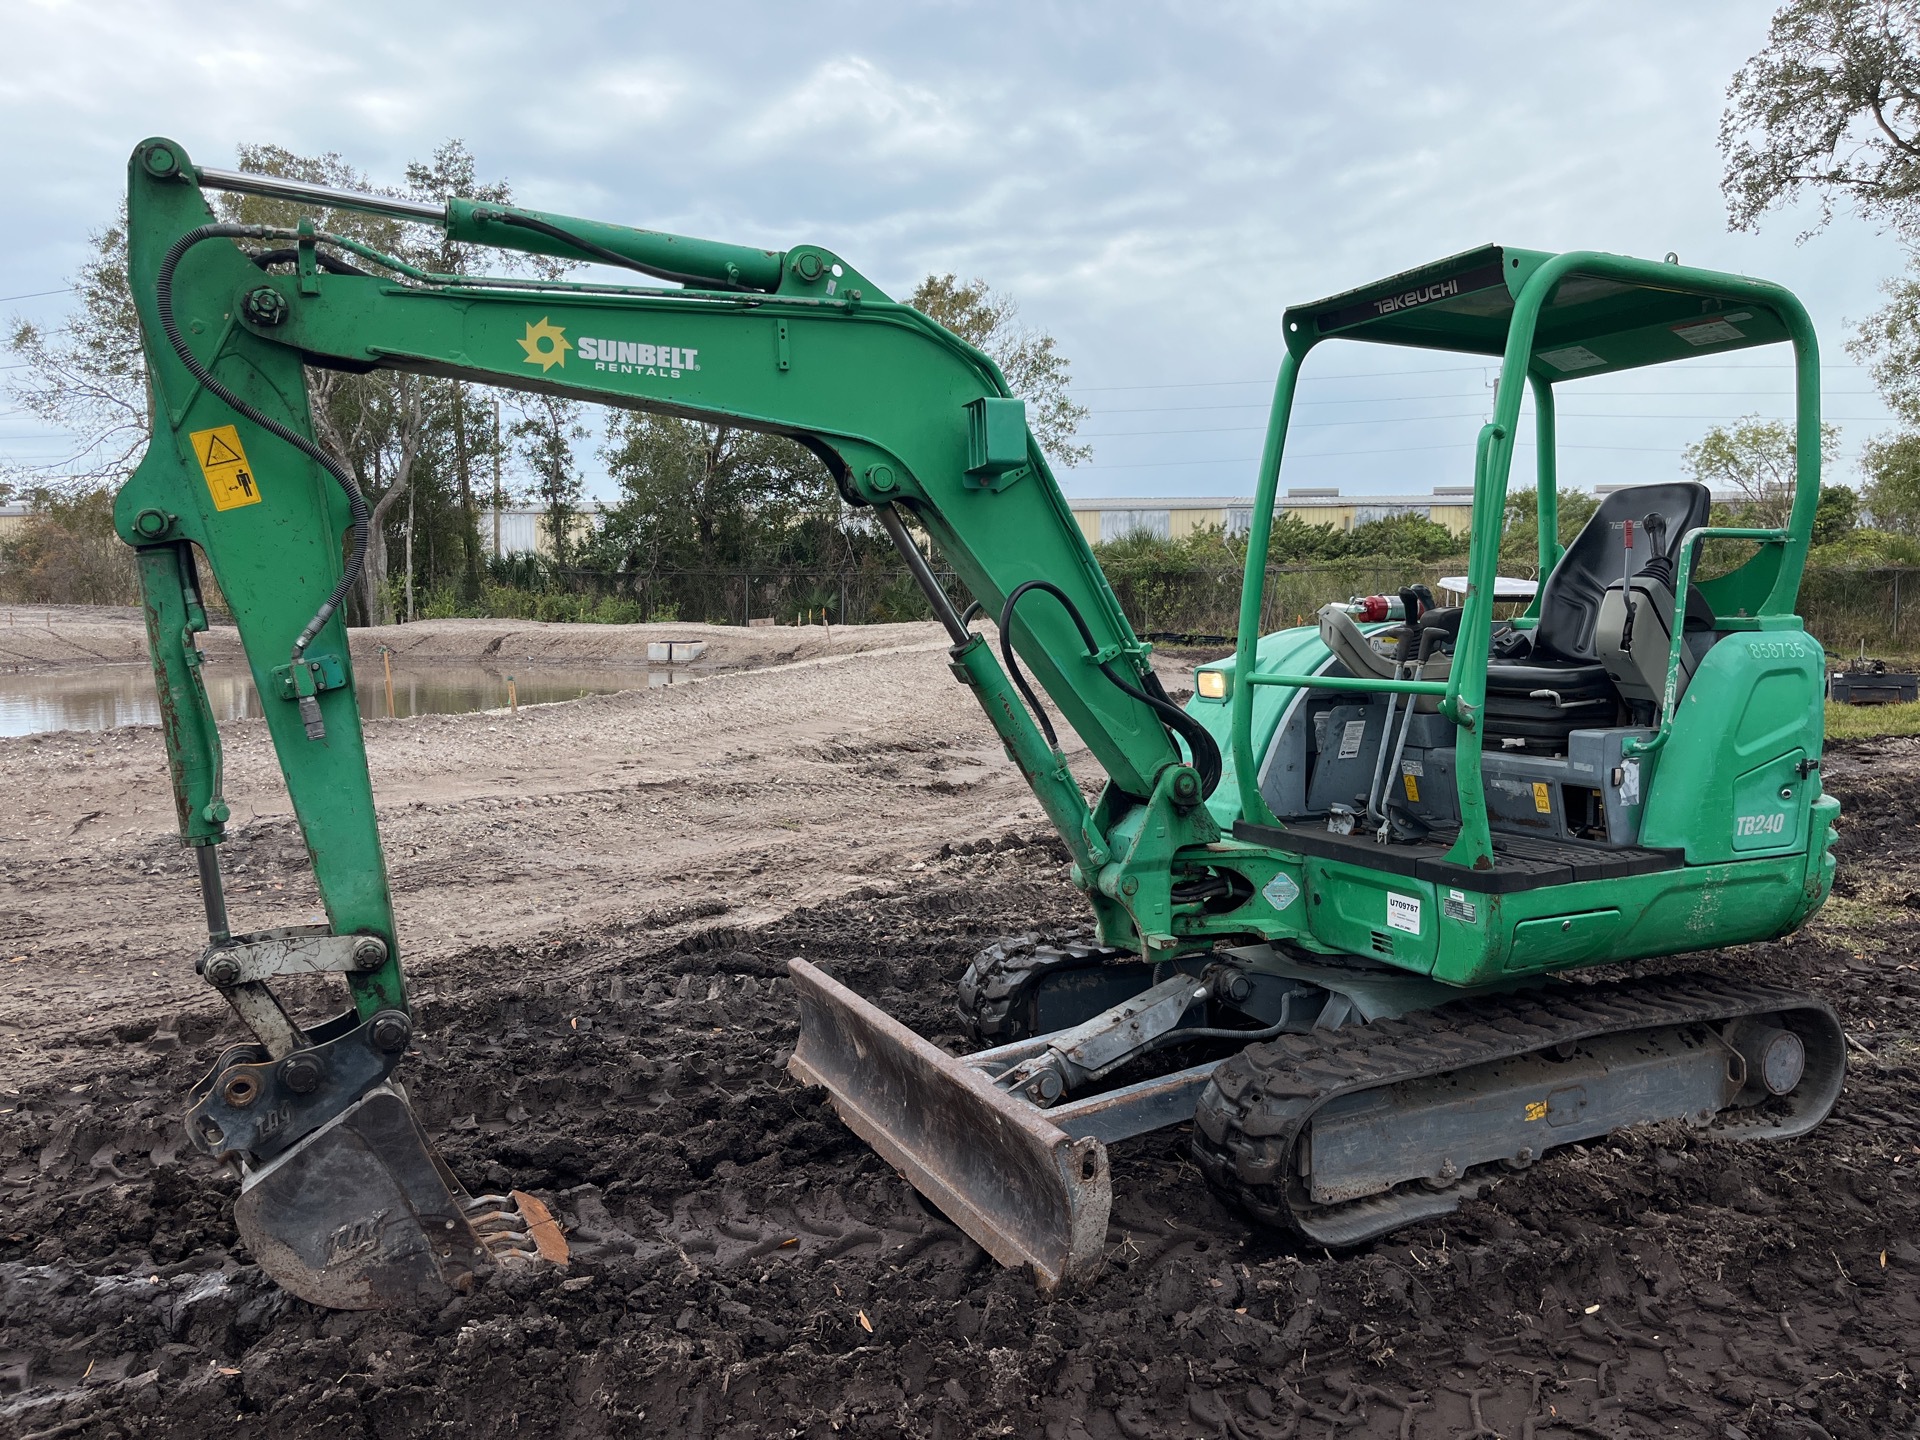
x=1341, y=896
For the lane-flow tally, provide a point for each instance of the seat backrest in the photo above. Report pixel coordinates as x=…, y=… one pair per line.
x=1660, y=516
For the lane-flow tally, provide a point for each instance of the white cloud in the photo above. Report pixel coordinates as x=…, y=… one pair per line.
x=1153, y=181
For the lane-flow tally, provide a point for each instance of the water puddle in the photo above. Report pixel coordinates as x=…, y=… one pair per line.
x=105, y=697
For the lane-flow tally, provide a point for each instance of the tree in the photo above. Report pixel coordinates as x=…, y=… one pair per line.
x=1520, y=540
x=1837, y=515
x=548, y=429
x=698, y=496
x=411, y=440
x=86, y=375
x=1830, y=106
x=1292, y=539
x=1412, y=537
x=1892, y=466
x=452, y=171
x=1757, y=458
x=1034, y=368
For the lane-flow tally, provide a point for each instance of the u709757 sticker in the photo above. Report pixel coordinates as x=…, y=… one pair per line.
x=1403, y=912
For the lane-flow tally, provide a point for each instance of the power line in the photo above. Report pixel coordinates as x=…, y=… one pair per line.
x=1342, y=454
x=36, y=294
x=1492, y=363
x=1417, y=419
x=1453, y=395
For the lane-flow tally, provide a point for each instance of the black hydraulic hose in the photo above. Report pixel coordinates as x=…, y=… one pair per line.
x=328, y=262
x=1180, y=1035
x=1205, y=750
x=611, y=257
x=357, y=502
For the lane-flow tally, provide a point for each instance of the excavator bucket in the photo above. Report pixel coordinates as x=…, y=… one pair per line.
x=362, y=1215
x=1028, y=1192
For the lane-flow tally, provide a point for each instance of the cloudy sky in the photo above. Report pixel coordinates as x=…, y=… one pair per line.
x=1153, y=183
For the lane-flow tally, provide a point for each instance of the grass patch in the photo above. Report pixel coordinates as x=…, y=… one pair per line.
x=1842, y=912
x=1871, y=722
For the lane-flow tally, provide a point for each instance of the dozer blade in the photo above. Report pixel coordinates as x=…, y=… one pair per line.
x=362, y=1215
x=1029, y=1193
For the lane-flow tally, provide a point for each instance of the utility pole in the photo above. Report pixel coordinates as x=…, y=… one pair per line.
x=497, y=499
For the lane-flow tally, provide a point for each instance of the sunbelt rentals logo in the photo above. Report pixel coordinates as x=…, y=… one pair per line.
x=547, y=345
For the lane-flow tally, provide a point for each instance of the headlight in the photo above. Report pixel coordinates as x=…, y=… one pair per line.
x=1211, y=684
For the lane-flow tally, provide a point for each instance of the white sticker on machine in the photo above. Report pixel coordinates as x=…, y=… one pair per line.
x=1455, y=906
x=1403, y=913
x=1351, y=734
x=1630, y=782
x=1281, y=891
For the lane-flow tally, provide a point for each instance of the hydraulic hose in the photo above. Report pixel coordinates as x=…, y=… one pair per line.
x=356, y=500
x=1200, y=743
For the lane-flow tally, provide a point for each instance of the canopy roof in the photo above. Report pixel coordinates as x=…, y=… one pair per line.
x=1589, y=325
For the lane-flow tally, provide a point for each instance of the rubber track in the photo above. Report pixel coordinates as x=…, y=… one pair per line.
x=995, y=993
x=1258, y=1102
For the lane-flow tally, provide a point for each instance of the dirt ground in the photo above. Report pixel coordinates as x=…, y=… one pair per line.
x=597, y=901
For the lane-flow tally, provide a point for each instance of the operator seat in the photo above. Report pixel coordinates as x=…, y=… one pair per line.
x=1551, y=681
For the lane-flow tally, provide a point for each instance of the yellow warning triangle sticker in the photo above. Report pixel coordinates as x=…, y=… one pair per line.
x=219, y=452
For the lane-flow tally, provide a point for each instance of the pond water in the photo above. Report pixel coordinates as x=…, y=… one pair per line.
x=107, y=696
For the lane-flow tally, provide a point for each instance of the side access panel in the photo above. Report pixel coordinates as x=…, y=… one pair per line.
x=1730, y=784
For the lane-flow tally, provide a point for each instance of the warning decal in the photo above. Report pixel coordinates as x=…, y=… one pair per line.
x=1542, y=799
x=222, y=460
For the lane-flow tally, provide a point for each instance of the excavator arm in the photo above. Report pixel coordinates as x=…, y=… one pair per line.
x=911, y=421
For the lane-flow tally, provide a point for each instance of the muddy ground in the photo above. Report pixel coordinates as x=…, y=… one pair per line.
x=599, y=901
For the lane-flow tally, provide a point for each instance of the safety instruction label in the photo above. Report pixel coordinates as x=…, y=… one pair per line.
x=1408, y=779
x=223, y=461
x=1572, y=357
x=1403, y=912
x=1351, y=734
x=1711, y=332
x=1542, y=798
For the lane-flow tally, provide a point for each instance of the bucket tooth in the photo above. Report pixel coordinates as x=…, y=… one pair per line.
x=1028, y=1192
x=362, y=1215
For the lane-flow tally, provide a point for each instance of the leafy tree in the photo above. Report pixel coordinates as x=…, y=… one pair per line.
x=1756, y=458
x=413, y=441
x=547, y=430
x=452, y=171
x=1035, y=369
x=1292, y=540
x=1837, y=515
x=67, y=552
x=1830, y=106
x=696, y=496
x=1520, y=540
x=86, y=375
x=1892, y=466
x=1410, y=537
x=1887, y=342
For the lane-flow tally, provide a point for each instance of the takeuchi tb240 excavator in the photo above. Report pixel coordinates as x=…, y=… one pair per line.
x=1338, y=894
